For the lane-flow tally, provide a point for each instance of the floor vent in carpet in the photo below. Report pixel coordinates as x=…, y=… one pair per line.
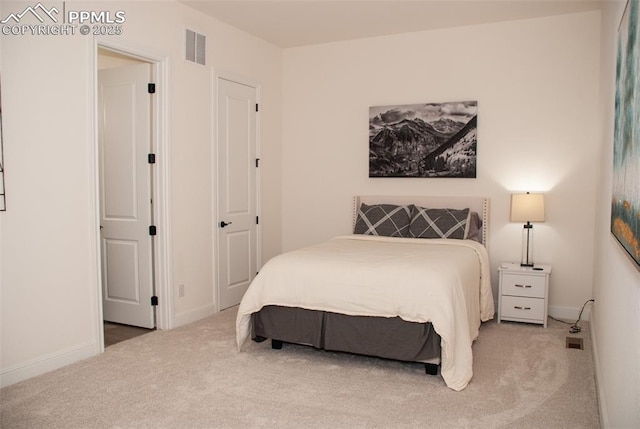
x=575, y=343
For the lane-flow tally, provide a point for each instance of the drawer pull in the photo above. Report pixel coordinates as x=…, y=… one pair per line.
x=521, y=308
x=524, y=286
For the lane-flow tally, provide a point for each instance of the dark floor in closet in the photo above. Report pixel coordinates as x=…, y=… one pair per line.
x=115, y=333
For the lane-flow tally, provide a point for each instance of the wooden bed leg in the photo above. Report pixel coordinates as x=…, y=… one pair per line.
x=431, y=368
x=276, y=344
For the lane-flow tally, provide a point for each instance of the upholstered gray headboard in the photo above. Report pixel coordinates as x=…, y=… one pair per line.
x=475, y=204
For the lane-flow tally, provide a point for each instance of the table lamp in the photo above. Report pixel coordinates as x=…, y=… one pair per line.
x=527, y=208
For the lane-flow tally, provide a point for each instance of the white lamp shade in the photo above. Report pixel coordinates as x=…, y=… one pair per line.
x=527, y=208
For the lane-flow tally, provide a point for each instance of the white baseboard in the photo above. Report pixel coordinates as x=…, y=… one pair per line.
x=191, y=316
x=569, y=313
x=32, y=368
x=602, y=406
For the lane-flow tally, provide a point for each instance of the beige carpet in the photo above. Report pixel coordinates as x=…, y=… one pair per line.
x=193, y=377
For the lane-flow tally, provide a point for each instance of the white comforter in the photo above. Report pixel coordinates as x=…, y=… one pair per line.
x=445, y=282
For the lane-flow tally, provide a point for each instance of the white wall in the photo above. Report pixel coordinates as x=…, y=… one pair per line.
x=536, y=83
x=49, y=309
x=616, y=312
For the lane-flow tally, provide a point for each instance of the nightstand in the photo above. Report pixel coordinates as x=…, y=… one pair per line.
x=524, y=293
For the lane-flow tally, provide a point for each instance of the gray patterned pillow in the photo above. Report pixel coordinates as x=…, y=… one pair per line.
x=383, y=219
x=475, y=225
x=439, y=223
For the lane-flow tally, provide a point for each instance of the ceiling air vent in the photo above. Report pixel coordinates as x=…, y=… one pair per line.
x=196, y=47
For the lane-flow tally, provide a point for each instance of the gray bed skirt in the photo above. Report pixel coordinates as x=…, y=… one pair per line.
x=390, y=338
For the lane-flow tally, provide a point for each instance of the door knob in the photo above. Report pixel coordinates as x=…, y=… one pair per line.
x=223, y=224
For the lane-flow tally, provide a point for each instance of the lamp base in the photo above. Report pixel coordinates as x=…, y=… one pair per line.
x=527, y=245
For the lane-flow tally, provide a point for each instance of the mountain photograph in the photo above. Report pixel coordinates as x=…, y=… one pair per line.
x=423, y=140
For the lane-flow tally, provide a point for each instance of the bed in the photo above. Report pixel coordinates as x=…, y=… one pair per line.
x=394, y=289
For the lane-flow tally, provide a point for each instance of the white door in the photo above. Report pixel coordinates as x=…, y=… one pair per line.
x=237, y=212
x=125, y=194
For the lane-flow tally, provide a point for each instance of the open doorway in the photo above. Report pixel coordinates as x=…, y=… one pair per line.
x=126, y=178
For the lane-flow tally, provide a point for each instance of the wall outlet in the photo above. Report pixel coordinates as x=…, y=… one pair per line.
x=181, y=291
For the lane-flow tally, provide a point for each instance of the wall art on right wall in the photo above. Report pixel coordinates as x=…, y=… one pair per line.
x=625, y=204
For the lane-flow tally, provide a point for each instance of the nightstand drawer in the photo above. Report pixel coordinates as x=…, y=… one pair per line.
x=523, y=285
x=522, y=308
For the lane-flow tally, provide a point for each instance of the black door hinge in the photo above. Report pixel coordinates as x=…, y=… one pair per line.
x=257, y=162
x=151, y=88
x=154, y=300
x=151, y=158
x=257, y=108
x=152, y=230
x=257, y=220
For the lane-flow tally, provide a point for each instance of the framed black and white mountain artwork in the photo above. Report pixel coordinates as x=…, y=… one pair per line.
x=423, y=140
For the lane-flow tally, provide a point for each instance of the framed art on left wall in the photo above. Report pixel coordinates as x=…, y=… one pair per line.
x=3, y=195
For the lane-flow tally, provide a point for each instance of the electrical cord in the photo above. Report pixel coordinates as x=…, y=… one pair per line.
x=576, y=327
